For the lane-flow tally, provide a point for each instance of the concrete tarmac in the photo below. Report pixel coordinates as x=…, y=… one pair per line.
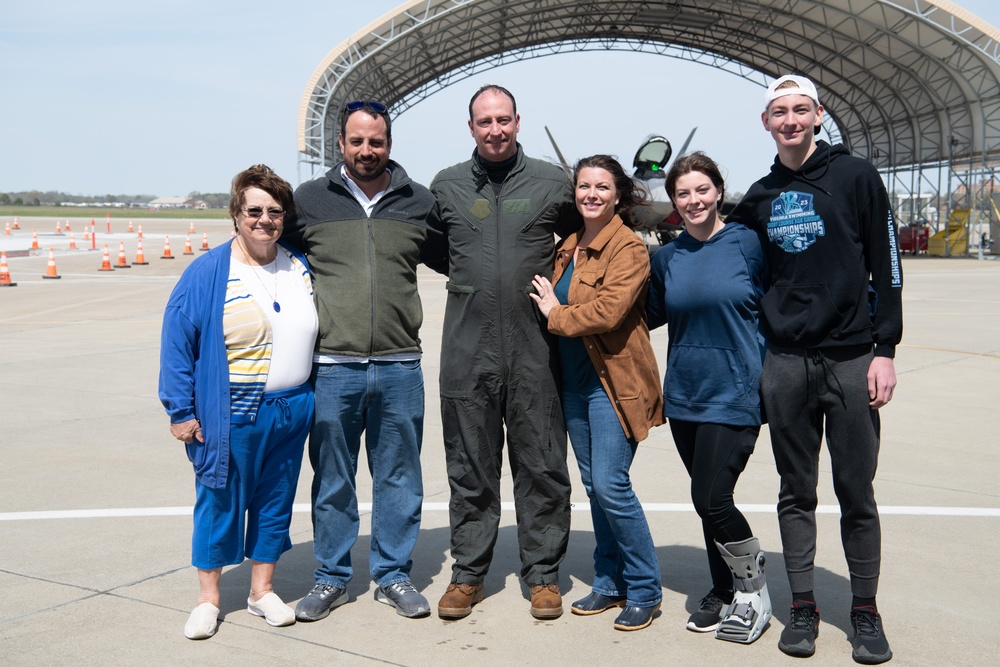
x=95, y=499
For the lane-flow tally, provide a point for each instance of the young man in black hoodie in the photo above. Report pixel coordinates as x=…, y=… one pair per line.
x=832, y=316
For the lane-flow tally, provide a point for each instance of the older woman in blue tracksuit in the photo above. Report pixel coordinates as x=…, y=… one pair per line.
x=235, y=357
x=706, y=286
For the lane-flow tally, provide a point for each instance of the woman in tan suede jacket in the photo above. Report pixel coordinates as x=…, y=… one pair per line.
x=610, y=385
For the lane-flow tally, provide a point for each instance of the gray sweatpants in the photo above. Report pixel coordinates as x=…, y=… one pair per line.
x=803, y=390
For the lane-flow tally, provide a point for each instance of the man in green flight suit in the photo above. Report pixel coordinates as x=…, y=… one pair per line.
x=500, y=211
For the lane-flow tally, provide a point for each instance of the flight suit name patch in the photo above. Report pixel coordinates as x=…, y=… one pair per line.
x=517, y=206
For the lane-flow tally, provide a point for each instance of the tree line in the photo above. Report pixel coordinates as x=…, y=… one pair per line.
x=54, y=198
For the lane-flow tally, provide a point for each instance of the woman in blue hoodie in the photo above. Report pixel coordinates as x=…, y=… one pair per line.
x=706, y=287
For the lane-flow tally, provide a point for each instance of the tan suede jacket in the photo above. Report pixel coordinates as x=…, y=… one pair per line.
x=607, y=308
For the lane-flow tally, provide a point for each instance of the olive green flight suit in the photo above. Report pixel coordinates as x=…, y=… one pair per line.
x=498, y=364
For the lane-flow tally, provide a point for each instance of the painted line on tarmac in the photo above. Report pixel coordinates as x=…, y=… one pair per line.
x=885, y=510
x=79, y=322
x=943, y=349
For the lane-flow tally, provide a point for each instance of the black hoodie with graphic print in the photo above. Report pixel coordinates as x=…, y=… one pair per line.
x=835, y=276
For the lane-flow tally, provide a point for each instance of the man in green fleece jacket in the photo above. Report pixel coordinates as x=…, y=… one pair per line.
x=364, y=226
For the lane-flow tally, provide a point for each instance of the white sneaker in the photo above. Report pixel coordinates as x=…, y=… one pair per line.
x=274, y=611
x=203, y=621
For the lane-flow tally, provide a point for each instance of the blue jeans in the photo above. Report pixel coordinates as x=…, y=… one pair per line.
x=625, y=562
x=385, y=400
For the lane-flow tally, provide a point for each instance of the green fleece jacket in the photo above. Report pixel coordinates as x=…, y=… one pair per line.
x=364, y=268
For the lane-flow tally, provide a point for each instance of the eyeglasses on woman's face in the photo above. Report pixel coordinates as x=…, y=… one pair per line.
x=256, y=212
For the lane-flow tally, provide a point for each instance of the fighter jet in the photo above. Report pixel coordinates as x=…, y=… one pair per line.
x=650, y=166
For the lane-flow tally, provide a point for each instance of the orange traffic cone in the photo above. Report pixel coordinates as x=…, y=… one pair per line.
x=140, y=231
x=86, y=233
x=122, y=262
x=232, y=234
x=50, y=270
x=72, y=240
x=66, y=228
x=5, y=272
x=204, y=242
x=129, y=226
x=166, y=249
x=140, y=258
x=7, y=230
x=106, y=262
x=34, y=240
x=16, y=226
x=191, y=228
x=187, y=245
x=58, y=227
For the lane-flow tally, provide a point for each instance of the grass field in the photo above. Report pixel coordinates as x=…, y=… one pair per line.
x=100, y=213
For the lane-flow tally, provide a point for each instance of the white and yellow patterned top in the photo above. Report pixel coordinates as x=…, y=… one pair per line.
x=250, y=329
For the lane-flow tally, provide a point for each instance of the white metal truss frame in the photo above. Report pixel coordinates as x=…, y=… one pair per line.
x=908, y=84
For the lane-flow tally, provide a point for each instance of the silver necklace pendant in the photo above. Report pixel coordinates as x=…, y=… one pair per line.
x=254, y=269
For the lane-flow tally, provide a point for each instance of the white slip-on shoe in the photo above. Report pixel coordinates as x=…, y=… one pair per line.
x=274, y=611
x=203, y=621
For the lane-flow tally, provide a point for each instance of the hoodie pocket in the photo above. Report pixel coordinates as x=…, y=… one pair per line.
x=803, y=314
x=705, y=375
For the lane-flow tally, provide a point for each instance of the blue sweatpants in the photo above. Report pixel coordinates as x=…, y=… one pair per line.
x=250, y=517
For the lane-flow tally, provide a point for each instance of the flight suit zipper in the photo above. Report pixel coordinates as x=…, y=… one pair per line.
x=504, y=370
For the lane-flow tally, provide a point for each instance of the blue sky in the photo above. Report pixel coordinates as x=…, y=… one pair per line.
x=165, y=98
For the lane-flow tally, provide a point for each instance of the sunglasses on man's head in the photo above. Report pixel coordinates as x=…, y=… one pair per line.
x=357, y=105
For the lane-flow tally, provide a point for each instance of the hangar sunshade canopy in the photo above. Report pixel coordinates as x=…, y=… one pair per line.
x=910, y=84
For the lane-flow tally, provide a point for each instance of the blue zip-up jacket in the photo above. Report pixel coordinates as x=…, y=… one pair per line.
x=194, y=367
x=708, y=294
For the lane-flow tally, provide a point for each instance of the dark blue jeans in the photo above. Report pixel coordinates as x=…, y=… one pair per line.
x=385, y=401
x=625, y=560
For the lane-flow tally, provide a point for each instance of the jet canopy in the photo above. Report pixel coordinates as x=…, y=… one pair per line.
x=652, y=158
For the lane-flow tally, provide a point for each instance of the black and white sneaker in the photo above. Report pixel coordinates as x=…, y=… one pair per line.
x=318, y=603
x=869, y=645
x=709, y=613
x=405, y=598
x=799, y=636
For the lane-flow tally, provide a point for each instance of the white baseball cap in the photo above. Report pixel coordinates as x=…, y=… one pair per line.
x=803, y=86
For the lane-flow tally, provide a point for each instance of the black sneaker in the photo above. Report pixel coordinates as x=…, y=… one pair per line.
x=318, y=603
x=799, y=636
x=405, y=598
x=709, y=613
x=869, y=645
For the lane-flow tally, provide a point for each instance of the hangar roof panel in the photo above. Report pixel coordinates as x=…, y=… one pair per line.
x=908, y=82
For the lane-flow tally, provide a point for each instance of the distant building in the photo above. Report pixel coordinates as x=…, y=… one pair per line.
x=172, y=202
